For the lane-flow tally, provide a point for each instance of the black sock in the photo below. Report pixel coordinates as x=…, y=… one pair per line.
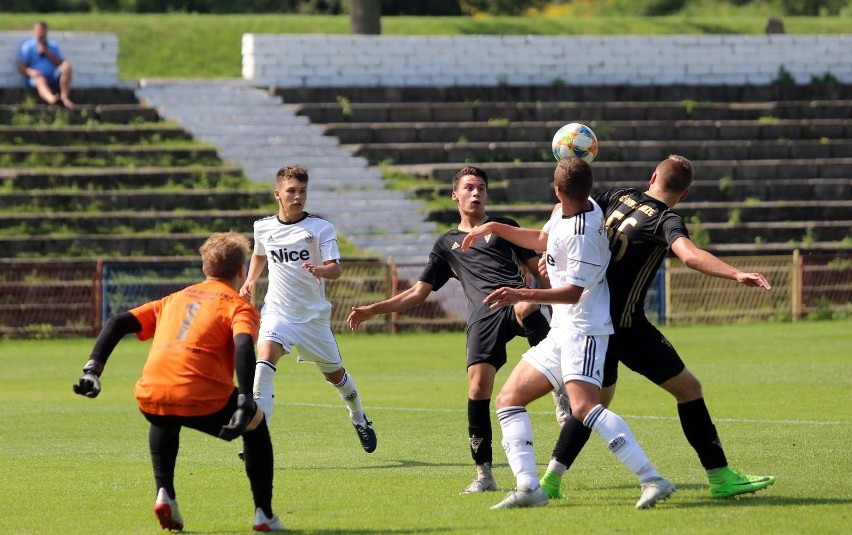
x=479, y=429
x=572, y=438
x=536, y=328
x=701, y=433
x=164, y=443
x=259, y=466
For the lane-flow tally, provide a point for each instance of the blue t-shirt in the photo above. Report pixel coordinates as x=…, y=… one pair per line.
x=29, y=55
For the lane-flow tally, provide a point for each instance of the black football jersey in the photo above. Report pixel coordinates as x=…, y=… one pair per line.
x=641, y=230
x=489, y=264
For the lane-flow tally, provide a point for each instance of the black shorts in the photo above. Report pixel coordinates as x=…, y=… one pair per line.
x=487, y=337
x=643, y=349
x=208, y=423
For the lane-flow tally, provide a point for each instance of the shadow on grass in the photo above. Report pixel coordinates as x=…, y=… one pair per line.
x=401, y=463
x=346, y=531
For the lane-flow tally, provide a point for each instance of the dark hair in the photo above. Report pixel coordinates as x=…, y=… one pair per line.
x=296, y=172
x=223, y=253
x=675, y=174
x=469, y=170
x=573, y=178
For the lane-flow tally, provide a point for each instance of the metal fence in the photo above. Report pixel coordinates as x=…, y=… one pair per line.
x=45, y=299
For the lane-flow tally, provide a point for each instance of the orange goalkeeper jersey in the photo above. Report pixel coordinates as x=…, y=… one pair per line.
x=190, y=367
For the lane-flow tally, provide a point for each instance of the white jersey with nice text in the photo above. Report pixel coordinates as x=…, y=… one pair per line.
x=578, y=254
x=293, y=292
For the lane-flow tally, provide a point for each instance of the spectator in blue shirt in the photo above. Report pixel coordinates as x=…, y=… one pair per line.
x=41, y=62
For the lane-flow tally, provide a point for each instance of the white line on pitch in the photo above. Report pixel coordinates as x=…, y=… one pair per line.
x=638, y=417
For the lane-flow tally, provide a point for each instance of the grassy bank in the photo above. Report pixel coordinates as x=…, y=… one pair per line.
x=208, y=46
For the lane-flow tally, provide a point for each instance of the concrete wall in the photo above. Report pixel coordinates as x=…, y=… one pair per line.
x=486, y=60
x=94, y=57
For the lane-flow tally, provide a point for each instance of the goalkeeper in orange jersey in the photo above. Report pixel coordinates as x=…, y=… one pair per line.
x=201, y=336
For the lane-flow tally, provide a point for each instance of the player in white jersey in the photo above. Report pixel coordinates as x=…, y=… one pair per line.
x=301, y=251
x=577, y=255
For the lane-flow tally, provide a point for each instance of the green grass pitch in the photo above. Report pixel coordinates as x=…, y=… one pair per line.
x=780, y=394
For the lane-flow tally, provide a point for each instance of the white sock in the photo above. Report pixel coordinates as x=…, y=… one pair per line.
x=346, y=389
x=264, y=387
x=620, y=441
x=518, y=443
x=556, y=466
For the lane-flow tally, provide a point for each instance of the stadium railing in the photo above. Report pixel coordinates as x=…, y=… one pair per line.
x=57, y=298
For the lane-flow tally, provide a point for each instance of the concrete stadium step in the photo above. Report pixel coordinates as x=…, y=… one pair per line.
x=796, y=232
x=106, y=245
x=537, y=189
x=100, y=135
x=113, y=222
x=569, y=110
x=116, y=178
x=614, y=171
x=540, y=190
x=607, y=131
x=118, y=155
x=83, y=96
x=573, y=93
x=417, y=153
x=149, y=199
x=786, y=248
x=405, y=248
x=731, y=212
x=83, y=114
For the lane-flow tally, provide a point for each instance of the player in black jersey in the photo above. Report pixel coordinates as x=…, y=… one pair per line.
x=642, y=228
x=491, y=264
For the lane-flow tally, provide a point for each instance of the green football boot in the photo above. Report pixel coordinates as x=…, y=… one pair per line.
x=727, y=482
x=551, y=483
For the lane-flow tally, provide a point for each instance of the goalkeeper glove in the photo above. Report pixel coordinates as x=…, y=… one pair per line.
x=89, y=384
x=246, y=409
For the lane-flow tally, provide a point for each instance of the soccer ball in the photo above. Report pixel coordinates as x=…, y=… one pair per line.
x=575, y=139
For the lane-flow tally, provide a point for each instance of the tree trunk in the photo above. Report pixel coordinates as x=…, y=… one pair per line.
x=365, y=17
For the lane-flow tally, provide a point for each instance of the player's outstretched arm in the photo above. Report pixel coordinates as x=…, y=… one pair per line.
x=398, y=303
x=114, y=329
x=704, y=262
x=501, y=297
x=256, y=265
x=522, y=237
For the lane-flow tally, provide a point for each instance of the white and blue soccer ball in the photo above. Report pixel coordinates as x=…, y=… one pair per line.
x=575, y=139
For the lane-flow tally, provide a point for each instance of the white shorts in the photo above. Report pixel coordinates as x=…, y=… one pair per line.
x=569, y=357
x=314, y=339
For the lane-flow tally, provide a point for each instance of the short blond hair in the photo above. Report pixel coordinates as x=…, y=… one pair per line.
x=675, y=174
x=223, y=254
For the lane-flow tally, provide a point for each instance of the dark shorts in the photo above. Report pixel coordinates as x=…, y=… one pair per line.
x=209, y=423
x=643, y=349
x=487, y=338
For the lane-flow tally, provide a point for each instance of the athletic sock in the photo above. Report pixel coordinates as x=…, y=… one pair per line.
x=701, y=433
x=536, y=328
x=518, y=443
x=346, y=389
x=259, y=465
x=572, y=437
x=264, y=387
x=163, y=443
x=479, y=430
x=620, y=441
